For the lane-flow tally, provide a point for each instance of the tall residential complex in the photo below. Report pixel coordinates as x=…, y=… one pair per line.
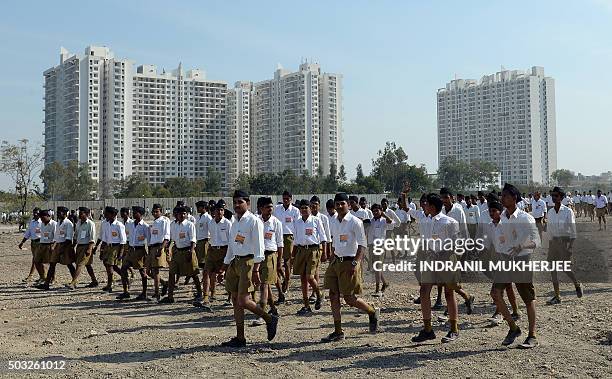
x=122, y=120
x=507, y=118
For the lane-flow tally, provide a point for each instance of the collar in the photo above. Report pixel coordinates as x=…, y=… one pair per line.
x=513, y=215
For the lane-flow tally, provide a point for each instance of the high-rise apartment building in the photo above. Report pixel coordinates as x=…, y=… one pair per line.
x=122, y=120
x=507, y=118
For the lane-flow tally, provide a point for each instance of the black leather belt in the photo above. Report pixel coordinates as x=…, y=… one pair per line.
x=245, y=256
x=268, y=252
x=343, y=259
x=219, y=247
x=113, y=244
x=155, y=244
x=308, y=246
x=46, y=243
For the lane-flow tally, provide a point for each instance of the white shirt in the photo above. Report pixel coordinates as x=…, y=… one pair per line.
x=347, y=235
x=394, y=217
x=159, y=230
x=520, y=228
x=483, y=206
x=202, y=226
x=113, y=232
x=138, y=234
x=33, y=231
x=127, y=229
x=577, y=199
x=360, y=214
x=378, y=229
x=472, y=214
x=521, y=205
x=191, y=219
x=286, y=216
x=183, y=234
x=246, y=237
x=456, y=212
x=441, y=227
x=64, y=231
x=538, y=208
x=273, y=233
x=47, y=232
x=402, y=215
x=567, y=200
x=325, y=220
x=549, y=201
x=309, y=232
x=368, y=212
x=589, y=199
x=561, y=224
x=601, y=202
x=85, y=232
x=219, y=232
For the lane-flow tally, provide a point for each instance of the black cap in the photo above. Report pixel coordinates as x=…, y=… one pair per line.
x=84, y=209
x=180, y=203
x=125, y=209
x=241, y=194
x=480, y=193
x=35, y=210
x=287, y=193
x=558, y=190
x=109, y=209
x=496, y=205
x=264, y=201
x=384, y=200
x=62, y=209
x=303, y=203
x=353, y=198
x=492, y=197
x=362, y=198
x=375, y=206
x=341, y=197
x=221, y=202
x=43, y=212
x=180, y=209
x=212, y=203
x=315, y=199
x=157, y=206
x=201, y=203
x=445, y=191
x=330, y=203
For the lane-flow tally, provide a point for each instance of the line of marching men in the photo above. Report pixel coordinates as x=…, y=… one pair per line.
x=252, y=253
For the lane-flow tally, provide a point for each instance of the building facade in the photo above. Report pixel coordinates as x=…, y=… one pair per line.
x=123, y=119
x=507, y=118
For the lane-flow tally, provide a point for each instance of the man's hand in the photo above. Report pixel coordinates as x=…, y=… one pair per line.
x=324, y=257
x=516, y=250
x=20, y=246
x=256, y=279
x=406, y=188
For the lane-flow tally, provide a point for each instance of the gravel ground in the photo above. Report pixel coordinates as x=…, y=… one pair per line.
x=100, y=337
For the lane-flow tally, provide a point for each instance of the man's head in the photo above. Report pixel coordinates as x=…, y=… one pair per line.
x=376, y=210
x=537, y=195
x=180, y=213
x=460, y=197
x=84, y=213
x=330, y=206
x=137, y=212
x=433, y=204
x=495, y=210
x=44, y=216
x=217, y=213
x=241, y=201
x=341, y=203
x=201, y=206
x=468, y=200
x=510, y=196
x=62, y=212
x=353, y=202
x=304, y=206
x=156, y=211
x=363, y=202
x=384, y=203
x=110, y=214
x=481, y=196
x=266, y=206
x=447, y=197
x=315, y=205
x=423, y=201
x=557, y=195
x=598, y=193
x=35, y=212
x=124, y=213
x=287, y=197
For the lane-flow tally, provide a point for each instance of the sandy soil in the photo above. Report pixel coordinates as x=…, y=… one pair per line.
x=137, y=339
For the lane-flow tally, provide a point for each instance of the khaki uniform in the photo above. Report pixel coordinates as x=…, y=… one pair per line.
x=109, y=254
x=83, y=258
x=155, y=258
x=267, y=268
x=63, y=253
x=306, y=260
x=215, y=257
x=184, y=262
x=239, y=275
x=136, y=256
x=338, y=277
x=43, y=253
x=202, y=252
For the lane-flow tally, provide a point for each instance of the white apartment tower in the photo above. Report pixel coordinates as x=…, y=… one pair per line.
x=507, y=118
x=297, y=121
x=239, y=107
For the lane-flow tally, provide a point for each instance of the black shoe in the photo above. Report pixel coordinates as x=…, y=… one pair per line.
x=205, y=307
x=384, y=287
x=273, y=312
x=417, y=300
x=446, y=312
x=164, y=290
x=305, y=311
x=166, y=300
x=469, y=303
x=44, y=287
x=373, y=320
x=529, y=343
x=107, y=289
x=92, y=285
x=235, y=343
x=281, y=299
x=271, y=327
x=450, y=337
x=123, y=296
x=424, y=336
x=186, y=280
x=554, y=301
x=437, y=306
x=142, y=296
x=579, y=290
x=333, y=337
x=318, y=303
x=511, y=336
x=312, y=299
x=516, y=316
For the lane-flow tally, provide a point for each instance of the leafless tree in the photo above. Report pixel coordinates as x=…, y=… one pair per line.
x=22, y=163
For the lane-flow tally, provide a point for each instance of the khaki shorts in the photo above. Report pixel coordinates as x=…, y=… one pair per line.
x=201, y=252
x=557, y=250
x=109, y=254
x=34, y=246
x=601, y=212
x=156, y=258
x=540, y=224
x=267, y=269
x=63, y=254
x=375, y=257
x=82, y=257
x=184, y=262
x=43, y=253
x=287, y=243
x=135, y=257
x=449, y=279
x=525, y=290
x=215, y=257
x=338, y=278
x=238, y=278
x=306, y=260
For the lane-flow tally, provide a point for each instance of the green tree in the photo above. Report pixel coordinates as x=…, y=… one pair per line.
x=134, y=186
x=563, y=177
x=391, y=167
x=184, y=187
x=212, y=183
x=161, y=191
x=330, y=181
x=78, y=181
x=22, y=163
x=53, y=180
x=483, y=172
x=455, y=174
x=342, y=174
x=243, y=182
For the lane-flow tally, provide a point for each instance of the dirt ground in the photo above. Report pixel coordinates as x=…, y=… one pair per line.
x=100, y=337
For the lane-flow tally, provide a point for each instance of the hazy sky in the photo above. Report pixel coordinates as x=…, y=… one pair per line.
x=394, y=55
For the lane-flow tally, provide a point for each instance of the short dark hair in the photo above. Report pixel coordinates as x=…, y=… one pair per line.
x=287, y=193
x=435, y=200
